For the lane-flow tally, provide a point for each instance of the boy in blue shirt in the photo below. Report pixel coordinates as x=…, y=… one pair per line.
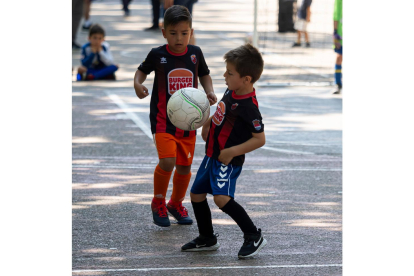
x=96, y=58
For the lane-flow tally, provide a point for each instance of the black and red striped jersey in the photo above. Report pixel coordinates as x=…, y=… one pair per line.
x=233, y=123
x=172, y=72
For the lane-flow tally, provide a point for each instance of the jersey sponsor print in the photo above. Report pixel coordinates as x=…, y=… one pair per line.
x=178, y=79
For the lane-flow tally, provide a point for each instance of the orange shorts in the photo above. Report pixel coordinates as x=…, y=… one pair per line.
x=170, y=146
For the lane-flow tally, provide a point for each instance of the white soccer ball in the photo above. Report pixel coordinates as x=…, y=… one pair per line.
x=188, y=108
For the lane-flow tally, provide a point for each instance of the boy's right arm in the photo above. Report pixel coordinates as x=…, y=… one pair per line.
x=140, y=89
x=86, y=60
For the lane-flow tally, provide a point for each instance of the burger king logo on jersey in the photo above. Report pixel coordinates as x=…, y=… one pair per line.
x=218, y=116
x=179, y=78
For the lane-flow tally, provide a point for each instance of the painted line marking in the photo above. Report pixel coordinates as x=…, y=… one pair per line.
x=206, y=268
x=151, y=166
x=143, y=126
x=286, y=151
x=122, y=105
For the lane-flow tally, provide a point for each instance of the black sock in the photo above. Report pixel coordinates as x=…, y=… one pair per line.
x=239, y=215
x=203, y=216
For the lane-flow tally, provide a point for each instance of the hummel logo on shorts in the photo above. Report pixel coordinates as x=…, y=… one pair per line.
x=189, y=155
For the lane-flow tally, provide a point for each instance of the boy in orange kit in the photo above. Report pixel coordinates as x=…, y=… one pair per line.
x=176, y=65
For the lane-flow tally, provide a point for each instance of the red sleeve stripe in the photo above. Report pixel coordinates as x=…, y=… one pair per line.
x=161, y=105
x=255, y=102
x=210, y=148
x=225, y=133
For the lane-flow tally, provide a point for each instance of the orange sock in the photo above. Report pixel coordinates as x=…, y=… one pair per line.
x=161, y=180
x=180, y=185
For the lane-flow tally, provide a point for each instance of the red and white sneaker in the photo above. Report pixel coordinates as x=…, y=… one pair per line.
x=179, y=212
x=159, y=212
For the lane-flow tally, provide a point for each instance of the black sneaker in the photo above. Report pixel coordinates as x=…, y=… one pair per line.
x=202, y=243
x=75, y=46
x=338, y=90
x=307, y=44
x=152, y=29
x=296, y=44
x=253, y=243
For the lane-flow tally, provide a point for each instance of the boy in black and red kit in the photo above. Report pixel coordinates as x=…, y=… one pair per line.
x=176, y=65
x=235, y=128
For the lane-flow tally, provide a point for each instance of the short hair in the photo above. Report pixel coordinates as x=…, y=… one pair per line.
x=176, y=14
x=247, y=60
x=96, y=29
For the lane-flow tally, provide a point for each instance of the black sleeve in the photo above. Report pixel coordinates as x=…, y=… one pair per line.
x=252, y=118
x=202, y=66
x=147, y=66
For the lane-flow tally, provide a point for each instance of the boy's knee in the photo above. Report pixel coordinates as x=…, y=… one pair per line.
x=221, y=200
x=183, y=170
x=167, y=164
x=197, y=197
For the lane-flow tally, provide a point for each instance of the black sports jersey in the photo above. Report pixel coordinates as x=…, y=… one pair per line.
x=233, y=123
x=172, y=72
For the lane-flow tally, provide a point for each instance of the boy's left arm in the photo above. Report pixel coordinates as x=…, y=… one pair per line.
x=258, y=140
x=207, y=84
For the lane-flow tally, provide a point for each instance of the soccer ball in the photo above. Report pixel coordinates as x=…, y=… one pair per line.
x=188, y=108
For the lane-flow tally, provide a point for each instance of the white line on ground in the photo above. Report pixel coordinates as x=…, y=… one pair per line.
x=151, y=166
x=286, y=151
x=140, y=123
x=206, y=268
x=143, y=126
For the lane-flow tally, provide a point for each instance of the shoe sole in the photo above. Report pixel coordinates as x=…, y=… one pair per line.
x=209, y=248
x=162, y=225
x=255, y=252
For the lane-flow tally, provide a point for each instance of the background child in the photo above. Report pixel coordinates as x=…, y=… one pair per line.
x=302, y=22
x=173, y=63
x=97, y=61
x=338, y=45
x=235, y=129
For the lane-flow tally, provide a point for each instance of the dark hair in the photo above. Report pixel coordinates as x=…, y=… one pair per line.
x=96, y=29
x=247, y=60
x=176, y=14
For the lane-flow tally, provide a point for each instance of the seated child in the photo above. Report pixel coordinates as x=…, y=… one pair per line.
x=96, y=58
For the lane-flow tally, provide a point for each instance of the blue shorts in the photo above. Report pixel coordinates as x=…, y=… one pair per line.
x=215, y=178
x=339, y=51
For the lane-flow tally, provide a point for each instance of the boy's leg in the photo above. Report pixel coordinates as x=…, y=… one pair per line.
x=181, y=179
x=108, y=70
x=338, y=71
x=224, y=187
x=307, y=39
x=207, y=240
x=166, y=153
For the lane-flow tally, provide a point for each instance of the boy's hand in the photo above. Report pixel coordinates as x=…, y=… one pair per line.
x=140, y=90
x=337, y=38
x=204, y=132
x=211, y=98
x=226, y=155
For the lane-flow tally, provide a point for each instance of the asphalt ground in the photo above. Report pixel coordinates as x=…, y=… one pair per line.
x=292, y=187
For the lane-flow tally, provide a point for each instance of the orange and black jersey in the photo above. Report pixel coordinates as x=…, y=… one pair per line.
x=233, y=123
x=172, y=72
